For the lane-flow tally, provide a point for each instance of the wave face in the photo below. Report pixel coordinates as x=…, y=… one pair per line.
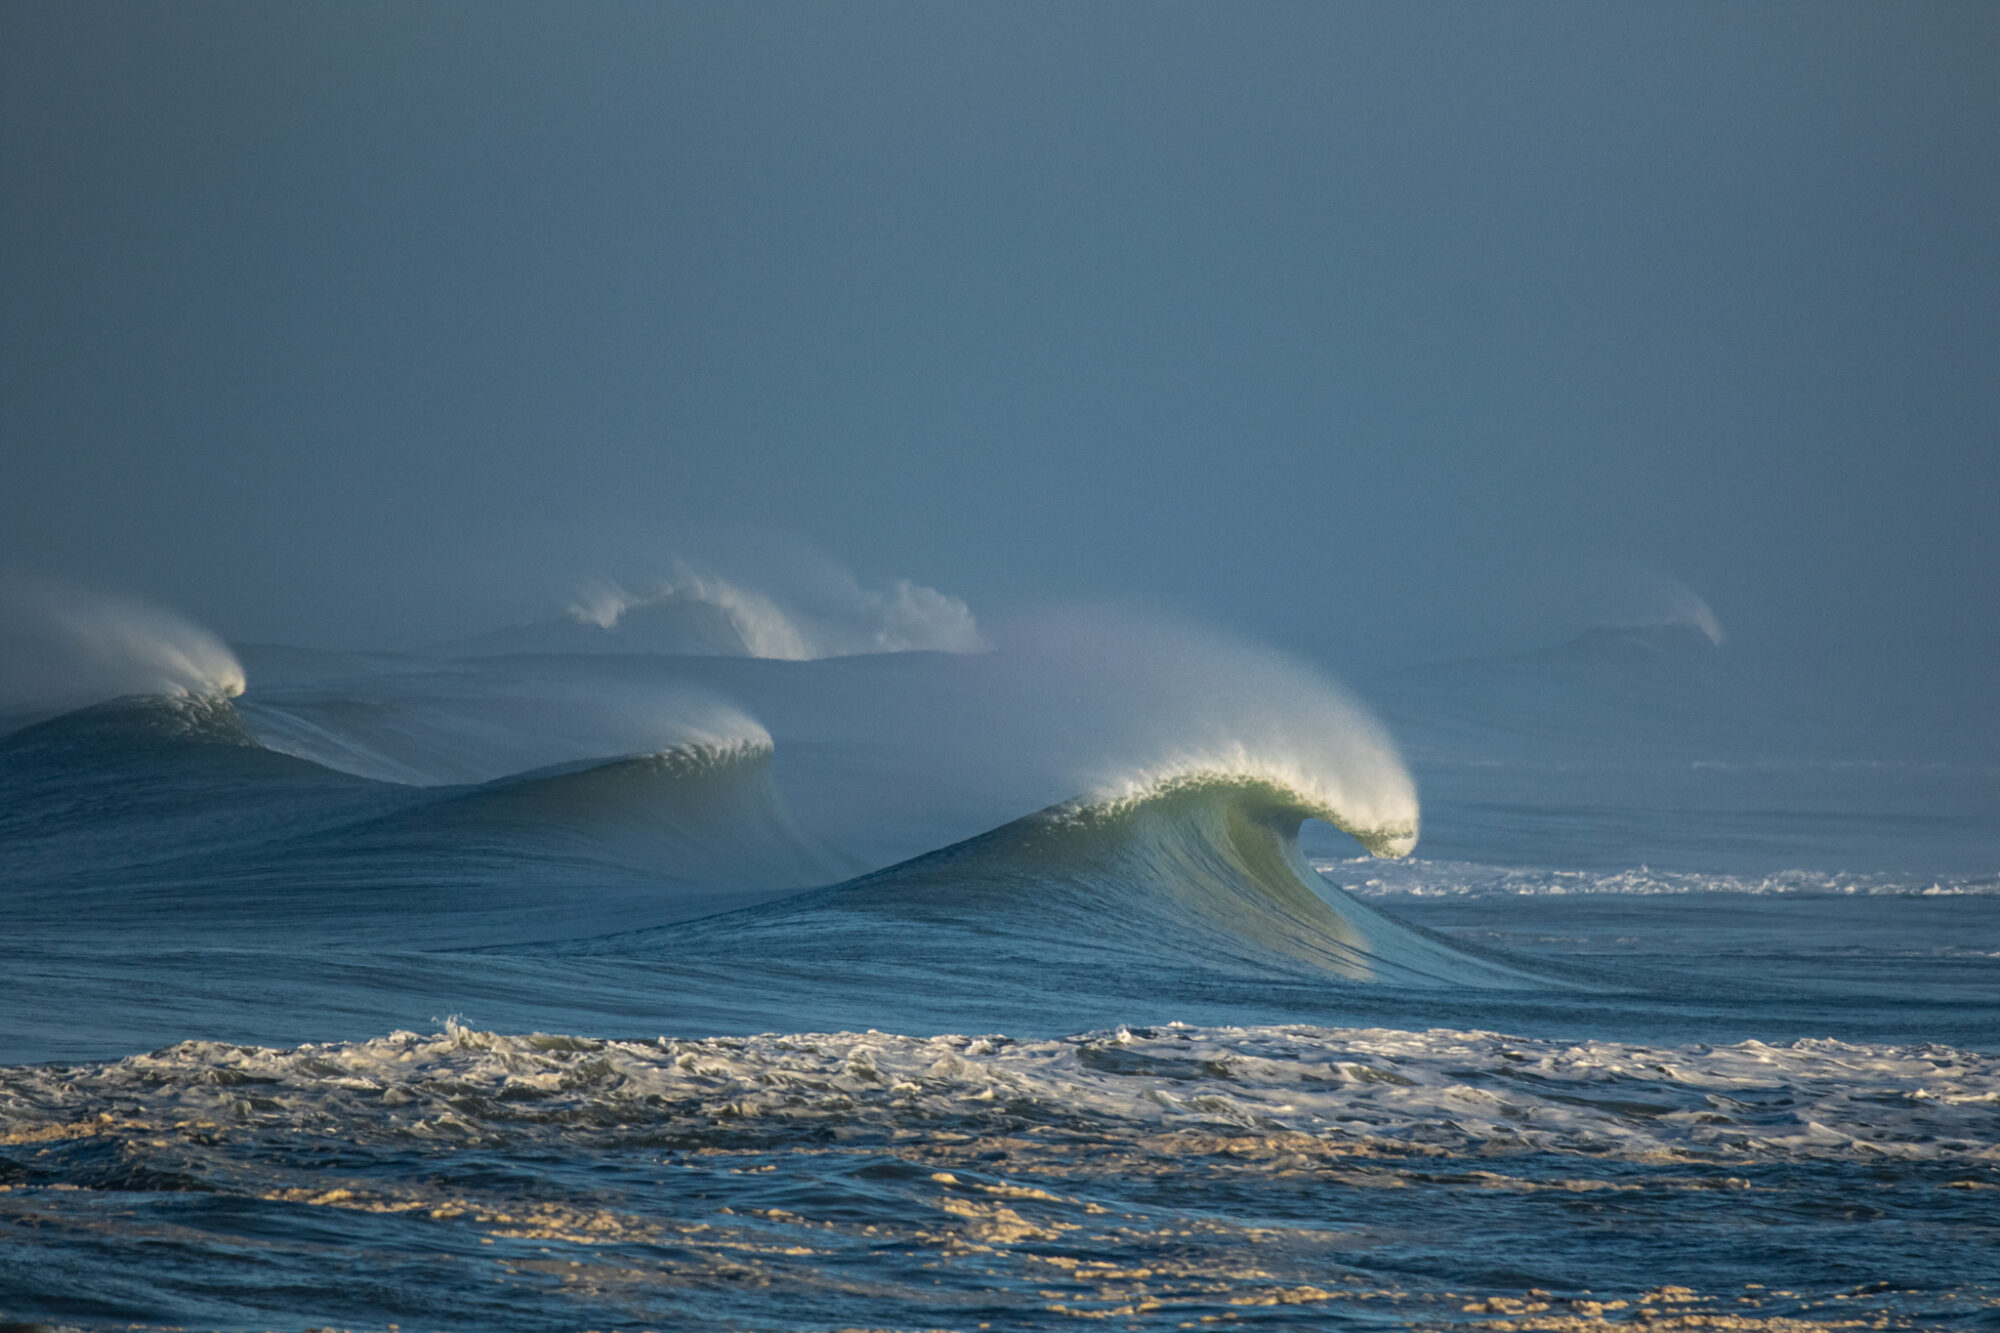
x=696, y=813
x=443, y=727
x=165, y=815
x=1202, y=868
x=132, y=722
x=91, y=796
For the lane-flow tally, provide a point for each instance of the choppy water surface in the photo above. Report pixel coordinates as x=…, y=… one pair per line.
x=907, y=991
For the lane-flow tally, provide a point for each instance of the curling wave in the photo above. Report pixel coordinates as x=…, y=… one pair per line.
x=1200, y=867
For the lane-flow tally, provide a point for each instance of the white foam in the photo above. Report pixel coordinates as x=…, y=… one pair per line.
x=1373, y=1089
x=1459, y=879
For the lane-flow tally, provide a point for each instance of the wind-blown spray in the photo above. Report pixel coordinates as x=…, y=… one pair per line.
x=66, y=647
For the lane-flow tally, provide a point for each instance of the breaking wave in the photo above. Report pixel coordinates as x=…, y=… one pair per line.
x=1200, y=867
x=694, y=612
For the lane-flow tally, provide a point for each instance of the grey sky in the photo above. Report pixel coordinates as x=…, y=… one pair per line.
x=1379, y=331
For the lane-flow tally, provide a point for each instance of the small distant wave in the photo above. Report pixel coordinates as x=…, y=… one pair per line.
x=694, y=612
x=179, y=785
x=1453, y=879
x=1673, y=603
x=443, y=728
x=89, y=797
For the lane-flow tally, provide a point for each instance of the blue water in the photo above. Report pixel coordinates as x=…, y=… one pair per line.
x=1015, y=989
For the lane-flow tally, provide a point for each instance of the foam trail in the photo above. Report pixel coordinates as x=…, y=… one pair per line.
x=66, y=648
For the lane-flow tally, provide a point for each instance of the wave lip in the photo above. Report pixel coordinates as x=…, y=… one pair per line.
x=1387, y=825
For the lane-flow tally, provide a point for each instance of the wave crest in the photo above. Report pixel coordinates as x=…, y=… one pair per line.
x=704, y=812
x=1384, y=822
x=64, y=648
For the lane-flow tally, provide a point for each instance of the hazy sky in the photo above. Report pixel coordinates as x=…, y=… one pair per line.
x=1381, y=332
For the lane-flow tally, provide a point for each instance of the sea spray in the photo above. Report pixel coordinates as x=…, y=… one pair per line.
x=65, y=647
x=690, y=610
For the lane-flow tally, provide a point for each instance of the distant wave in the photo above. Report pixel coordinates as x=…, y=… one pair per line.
x=693, y=612
x=701, y=812
x=446, y=727
x=1674, y=603
x=180, y=784
x=89, y=796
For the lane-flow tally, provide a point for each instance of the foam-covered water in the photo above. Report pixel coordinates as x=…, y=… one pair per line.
x=537, y=983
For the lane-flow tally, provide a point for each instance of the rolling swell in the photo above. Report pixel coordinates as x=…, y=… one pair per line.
x=165, y=813
x=702, y=812
x=585, y=847
x=148, y=779
x=1200, y=867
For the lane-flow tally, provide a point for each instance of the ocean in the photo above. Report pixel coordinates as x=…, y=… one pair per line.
x=1118, y=975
